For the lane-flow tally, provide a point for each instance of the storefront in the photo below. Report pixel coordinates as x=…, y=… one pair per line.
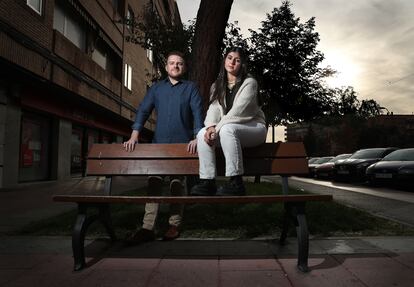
x=34, y=163
x=44, y=140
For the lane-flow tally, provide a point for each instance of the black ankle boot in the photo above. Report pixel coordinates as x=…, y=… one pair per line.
x=206, y=187
x=233, y=187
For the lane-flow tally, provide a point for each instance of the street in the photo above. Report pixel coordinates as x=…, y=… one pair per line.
x=388, y=203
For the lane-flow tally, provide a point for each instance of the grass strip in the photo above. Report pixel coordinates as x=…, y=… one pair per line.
x=239, y=221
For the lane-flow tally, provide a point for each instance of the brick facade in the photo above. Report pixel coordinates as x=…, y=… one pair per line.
x=40, y=62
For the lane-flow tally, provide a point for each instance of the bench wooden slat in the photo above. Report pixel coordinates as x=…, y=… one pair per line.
x=176, y=151
x=192, y=199
x=252, y=166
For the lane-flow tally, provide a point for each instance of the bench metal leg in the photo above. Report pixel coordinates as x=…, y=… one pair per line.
x=78, y=236
x=296, y=211
x=81, y=225
x=303, y=242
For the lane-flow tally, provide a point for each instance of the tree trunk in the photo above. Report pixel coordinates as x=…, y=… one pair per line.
x=206, y=49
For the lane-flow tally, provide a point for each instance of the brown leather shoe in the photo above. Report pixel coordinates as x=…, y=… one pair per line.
x=171, y=234
x=140, y=236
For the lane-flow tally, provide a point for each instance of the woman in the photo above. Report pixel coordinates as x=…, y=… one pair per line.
x=234, y=120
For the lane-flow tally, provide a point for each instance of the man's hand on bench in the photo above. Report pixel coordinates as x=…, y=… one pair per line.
x=129, y=145
x=192, y=146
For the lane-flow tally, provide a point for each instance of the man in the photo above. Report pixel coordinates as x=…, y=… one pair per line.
x=178, y=105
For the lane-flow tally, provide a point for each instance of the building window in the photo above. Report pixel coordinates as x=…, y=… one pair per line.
x=35, y=5
x=130, y=16
x=118, y=6
x=100, y=57
x=128, y=77
x=68, y=26
x=106, y=59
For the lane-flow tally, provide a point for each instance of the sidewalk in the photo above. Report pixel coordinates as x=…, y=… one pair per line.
x=32, y=202
x=47, y=261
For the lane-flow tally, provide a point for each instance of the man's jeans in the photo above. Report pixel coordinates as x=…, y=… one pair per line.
x=232, y=138
x=151, y=209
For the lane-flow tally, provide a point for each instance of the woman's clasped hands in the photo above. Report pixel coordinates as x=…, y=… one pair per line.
x=210, y=136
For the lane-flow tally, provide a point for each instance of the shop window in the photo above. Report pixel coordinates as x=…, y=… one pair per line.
x=93, y=137
x=107, y=138
x=76, y=151
x=34, y=148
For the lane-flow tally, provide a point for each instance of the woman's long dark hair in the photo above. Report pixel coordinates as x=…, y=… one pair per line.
x=220, y=85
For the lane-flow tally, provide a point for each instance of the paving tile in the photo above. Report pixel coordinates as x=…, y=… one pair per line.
x=55, y=270
x=185, y=272
x=22, y=261
x=406, y=259
x=377, y=270
x=49, y=279
x=249, y=264
x=116, y=278
x=128, y=264
x=325, y=272
x=59, y=263
x=7, y=275
x=253, y=278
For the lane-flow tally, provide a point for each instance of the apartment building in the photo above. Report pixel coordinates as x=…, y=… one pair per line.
x=68, y=79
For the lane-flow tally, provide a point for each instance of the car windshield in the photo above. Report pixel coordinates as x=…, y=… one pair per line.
x=341, y=156
x=401, y=155
x=368, y=153
x=323, y=160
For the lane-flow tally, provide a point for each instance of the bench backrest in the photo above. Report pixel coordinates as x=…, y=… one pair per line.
x=172, y=159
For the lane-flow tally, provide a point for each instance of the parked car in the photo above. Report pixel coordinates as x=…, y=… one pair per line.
x=397, y=169
x=354, y=167
x=312, y=159
x=316, y=163
x=326, y=169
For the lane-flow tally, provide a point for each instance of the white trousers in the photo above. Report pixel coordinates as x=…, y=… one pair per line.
x=232, y=138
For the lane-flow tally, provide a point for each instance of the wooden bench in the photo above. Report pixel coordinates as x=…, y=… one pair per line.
x=110, y=160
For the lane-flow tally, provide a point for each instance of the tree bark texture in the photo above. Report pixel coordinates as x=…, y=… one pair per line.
x=212, y=17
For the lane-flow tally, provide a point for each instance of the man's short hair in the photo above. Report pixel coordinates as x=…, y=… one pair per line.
x=176, y=53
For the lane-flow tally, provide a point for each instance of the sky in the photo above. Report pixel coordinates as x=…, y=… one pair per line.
x=369, y=42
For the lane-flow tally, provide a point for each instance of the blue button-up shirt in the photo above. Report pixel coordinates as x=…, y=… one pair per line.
x=179, y=111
